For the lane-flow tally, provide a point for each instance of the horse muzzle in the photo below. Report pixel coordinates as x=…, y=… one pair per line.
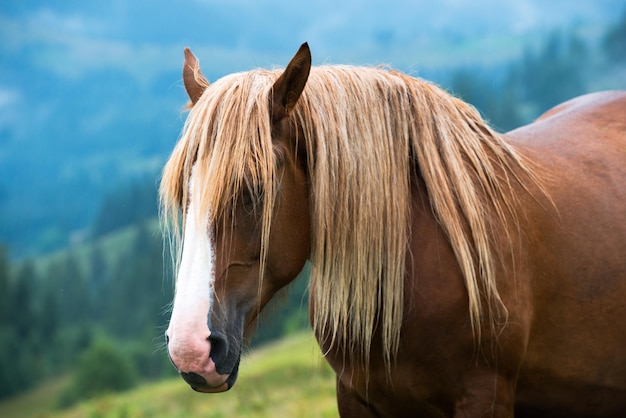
x=208, y=366
x=200, y=384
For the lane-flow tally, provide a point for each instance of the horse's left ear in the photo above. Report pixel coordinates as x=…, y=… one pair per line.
x=289, y=86
x=195, y=82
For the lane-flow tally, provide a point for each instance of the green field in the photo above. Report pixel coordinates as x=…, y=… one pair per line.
x=285, y=379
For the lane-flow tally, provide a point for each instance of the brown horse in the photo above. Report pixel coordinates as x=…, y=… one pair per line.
x=454, y=271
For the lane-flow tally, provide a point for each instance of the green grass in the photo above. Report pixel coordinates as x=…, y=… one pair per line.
x=286, y=379
x=34, y=403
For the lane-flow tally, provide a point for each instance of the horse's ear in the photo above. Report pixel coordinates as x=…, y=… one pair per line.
x=289, y=86
x=195, y=82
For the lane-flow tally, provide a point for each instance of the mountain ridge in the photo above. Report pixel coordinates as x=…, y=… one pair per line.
x=91, y=96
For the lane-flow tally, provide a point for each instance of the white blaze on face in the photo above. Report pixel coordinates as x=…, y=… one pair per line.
x=188, y=330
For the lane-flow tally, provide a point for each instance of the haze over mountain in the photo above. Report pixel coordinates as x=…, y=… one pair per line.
x=90, y=92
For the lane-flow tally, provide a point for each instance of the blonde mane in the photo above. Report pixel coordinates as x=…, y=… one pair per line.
x=369, y=134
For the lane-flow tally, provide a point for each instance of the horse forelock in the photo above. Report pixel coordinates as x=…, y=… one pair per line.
x=367, y=132
x=226, y=140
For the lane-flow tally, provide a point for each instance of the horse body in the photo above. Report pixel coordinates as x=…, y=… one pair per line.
x=562, y=351
x=577, y=268
x=550, y=341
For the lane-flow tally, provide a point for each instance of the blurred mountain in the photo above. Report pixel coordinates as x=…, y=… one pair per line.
x=91, y=97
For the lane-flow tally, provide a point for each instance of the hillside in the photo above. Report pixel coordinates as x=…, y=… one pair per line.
x=285, y=379
x=118, y=288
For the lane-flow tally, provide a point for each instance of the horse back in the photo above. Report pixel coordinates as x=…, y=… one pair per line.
x=574, y=260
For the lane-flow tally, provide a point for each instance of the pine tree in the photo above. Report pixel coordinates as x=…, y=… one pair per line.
x=22, y=315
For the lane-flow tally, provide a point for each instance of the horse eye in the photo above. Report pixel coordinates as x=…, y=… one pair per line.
x=252, y=200
x=247, y=200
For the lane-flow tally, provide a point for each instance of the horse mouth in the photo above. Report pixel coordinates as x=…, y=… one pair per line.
x=200, y=384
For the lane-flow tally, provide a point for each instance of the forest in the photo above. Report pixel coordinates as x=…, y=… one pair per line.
x=97, y=311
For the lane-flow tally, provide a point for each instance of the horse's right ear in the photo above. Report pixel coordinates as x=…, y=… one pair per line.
x=195, y=82
x=289, y=86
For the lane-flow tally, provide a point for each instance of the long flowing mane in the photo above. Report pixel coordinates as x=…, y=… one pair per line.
x=369, y=133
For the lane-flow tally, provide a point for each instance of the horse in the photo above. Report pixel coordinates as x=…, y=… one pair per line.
x=454, y=271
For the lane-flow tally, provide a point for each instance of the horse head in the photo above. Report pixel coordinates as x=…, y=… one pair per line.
x=235, y=256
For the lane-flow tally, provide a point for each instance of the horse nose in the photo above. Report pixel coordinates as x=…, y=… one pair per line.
x=189, y=355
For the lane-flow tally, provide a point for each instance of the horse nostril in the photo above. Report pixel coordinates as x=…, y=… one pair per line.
x=219, y=348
